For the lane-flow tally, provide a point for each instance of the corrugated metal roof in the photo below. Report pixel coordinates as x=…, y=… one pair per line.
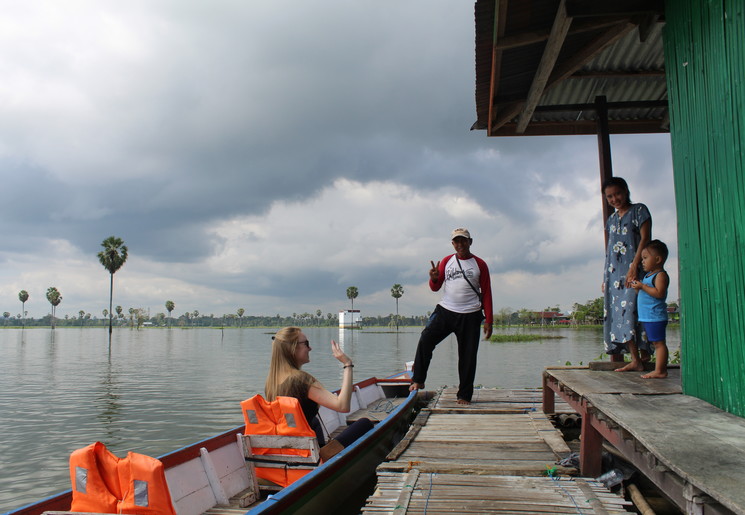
x=603, y=54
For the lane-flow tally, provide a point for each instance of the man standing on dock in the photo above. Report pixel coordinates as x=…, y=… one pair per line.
x=466, y=300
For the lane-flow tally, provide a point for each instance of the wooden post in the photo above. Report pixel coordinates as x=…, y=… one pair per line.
x=591, y=446
x=606, y=169
x=549, y=404
x=606, y=162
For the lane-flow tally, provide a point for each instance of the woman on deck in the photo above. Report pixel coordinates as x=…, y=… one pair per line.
x=290, y=351
x=629, y=229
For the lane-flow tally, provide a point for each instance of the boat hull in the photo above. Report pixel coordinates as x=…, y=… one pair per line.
x=327, y=486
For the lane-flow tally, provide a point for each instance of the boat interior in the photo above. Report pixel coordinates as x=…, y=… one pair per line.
x=222, y=480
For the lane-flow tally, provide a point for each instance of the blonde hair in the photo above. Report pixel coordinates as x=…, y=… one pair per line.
x=285, y=376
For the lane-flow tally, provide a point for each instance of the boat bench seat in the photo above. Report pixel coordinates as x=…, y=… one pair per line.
x=217, y=478
x=278, y=460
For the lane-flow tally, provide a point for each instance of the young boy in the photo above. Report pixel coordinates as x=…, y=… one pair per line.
x=651, y=304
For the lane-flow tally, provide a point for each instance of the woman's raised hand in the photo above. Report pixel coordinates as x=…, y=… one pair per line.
x=339, y=354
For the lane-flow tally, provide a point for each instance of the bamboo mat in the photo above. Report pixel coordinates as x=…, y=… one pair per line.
x=479, y=441
x=515, y=444
x=417, y=492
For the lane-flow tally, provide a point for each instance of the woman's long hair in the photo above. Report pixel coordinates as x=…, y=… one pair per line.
x=285, y=376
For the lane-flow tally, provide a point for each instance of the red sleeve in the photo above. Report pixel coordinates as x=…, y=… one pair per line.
x=435, y=286
x=485, y=286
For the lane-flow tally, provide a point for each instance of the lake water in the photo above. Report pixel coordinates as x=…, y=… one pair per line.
x=156, y=390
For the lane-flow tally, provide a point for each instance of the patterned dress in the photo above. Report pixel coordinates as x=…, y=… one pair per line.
x=620, y=316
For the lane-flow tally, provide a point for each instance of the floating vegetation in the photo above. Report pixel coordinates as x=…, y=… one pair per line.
x=522, y=337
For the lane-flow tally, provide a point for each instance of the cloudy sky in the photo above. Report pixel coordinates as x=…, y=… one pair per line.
x=267, y=155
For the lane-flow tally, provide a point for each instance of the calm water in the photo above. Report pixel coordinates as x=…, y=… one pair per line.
x=160, y=389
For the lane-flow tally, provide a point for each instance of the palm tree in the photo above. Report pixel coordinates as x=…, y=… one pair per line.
x=112, y=257
x=240, y=316
x=170, y=306
x=397, y=291
x=352, y=294
x=82, y=317
x=54, y=298
x=23, y=297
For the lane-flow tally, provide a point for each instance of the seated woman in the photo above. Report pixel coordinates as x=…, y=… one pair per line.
x=290, y=351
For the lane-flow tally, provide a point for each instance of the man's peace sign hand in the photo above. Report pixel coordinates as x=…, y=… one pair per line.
x=434, y=273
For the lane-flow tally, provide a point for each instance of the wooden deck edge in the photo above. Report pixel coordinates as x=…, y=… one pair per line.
x=459, y=468
x=416, y=426
x=482, y=411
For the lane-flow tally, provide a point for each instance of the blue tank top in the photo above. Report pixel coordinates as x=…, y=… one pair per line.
x=651, y=309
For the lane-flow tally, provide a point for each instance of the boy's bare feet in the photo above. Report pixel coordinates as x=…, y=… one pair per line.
x=416, y=386
x=632, y=367
x=655, y=375
x=463, y=401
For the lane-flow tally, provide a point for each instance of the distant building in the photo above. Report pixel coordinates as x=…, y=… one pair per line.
x=349, y=318
x=551, y=317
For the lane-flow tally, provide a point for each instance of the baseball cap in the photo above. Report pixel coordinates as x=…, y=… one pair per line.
x=460, y=232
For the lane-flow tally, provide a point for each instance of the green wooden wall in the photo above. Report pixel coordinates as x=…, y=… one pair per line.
x=705, y=68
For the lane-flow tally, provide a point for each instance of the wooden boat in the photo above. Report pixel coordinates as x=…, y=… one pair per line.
x=213, y=476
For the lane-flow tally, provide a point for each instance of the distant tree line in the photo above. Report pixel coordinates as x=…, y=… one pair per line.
x=137, y=318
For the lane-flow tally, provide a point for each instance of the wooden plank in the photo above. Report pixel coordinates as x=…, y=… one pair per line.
x=409, y=483
x=586, y=382
x=416, y=426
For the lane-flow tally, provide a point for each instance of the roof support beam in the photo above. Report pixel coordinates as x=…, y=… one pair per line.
x=555, y=41
x=646, y=25
x=586, y=128
x=582, y=8
x=571, y=65
x=561, y=72
x=618, y=74
x=578, y=27
x=500, y=17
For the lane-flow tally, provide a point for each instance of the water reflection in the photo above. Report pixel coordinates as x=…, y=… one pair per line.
x=108, y=402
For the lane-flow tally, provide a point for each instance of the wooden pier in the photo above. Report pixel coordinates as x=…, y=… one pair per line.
x=497, y=455
x=693, y=451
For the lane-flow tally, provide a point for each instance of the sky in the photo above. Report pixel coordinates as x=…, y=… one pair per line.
x=268, y=155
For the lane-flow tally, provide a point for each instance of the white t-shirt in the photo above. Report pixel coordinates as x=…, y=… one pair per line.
x=458, y=296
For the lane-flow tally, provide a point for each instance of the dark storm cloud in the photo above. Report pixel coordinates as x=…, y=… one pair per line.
x=221, y=112
x=165, y=122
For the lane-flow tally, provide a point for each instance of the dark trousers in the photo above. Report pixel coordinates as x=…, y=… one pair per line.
x=348, y=436
x=467, y=329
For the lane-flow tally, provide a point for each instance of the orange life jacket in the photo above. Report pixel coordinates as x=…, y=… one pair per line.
x=282, y=416
x=104, y=483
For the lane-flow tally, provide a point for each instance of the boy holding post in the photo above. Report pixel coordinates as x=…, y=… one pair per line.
x=651, y=303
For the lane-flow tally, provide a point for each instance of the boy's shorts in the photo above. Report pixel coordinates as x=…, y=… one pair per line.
x=655, y=331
